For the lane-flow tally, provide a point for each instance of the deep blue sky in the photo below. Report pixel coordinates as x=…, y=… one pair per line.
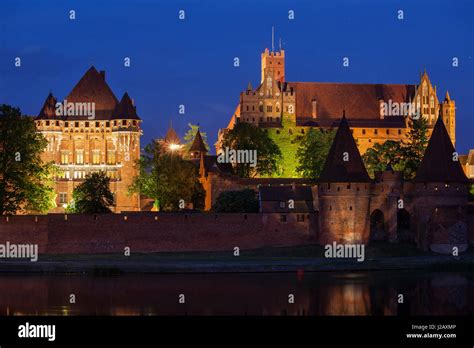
x=190, y=62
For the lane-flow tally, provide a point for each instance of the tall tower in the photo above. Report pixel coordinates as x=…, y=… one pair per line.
x=273, y=65
x=448, y=113
x=344, y=192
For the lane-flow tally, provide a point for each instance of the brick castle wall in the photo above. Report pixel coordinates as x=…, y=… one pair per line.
x=154, y=232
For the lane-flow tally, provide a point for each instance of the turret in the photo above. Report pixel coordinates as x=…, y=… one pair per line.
x=344, y=192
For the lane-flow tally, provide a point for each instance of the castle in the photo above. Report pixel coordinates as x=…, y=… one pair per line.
x=346, y=206
x=80, y=143
x=288, y=109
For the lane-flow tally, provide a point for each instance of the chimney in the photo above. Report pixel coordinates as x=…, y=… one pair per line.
x=314, y=108
x=102, y=73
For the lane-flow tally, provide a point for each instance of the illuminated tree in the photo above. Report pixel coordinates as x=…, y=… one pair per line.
x=26, y=183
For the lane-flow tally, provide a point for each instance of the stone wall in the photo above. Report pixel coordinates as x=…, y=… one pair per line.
x=153, y=232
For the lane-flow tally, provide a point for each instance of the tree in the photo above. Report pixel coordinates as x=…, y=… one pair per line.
x=413, y=148
x=190, y=135
x=379, y=156
x=313, y=151
x=93, y=195
x=244, y=201
x=404, y=156
x=247, y=137
x=26, y=183
x=168, y=179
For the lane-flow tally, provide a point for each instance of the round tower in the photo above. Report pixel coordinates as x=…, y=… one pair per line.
x=344, y=193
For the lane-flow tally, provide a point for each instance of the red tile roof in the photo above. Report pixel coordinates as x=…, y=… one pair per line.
x=360, y=101
x=171, y=136
x=336, y=168
x=198, y=144
x=125, y=109
x=93, y=88
x=49, y=107
x=437, y=164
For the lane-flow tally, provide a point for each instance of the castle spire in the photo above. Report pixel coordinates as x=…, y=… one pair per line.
x=344, y=163
x=447, y=97
x=198, y=146
x=249, y=87
x=438, y=164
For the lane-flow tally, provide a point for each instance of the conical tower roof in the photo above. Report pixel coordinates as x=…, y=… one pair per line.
x=172, y=137
x=125, y=109
x=344, y=163
x=198, y=144
x=438, y=164
x=49, y=107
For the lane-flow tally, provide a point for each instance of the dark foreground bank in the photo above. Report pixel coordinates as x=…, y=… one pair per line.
x=380, y=256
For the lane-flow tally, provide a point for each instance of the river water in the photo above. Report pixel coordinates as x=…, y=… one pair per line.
x=326, y=293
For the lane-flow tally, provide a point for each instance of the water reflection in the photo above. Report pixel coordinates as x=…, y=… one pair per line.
x=373, y=293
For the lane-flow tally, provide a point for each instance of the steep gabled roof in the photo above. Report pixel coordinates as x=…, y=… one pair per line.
x=49, y=107
x=125, y=109
x=198, y=144
x=438, y=164
x=361, y=101
x=344, y=163
x=93, y=88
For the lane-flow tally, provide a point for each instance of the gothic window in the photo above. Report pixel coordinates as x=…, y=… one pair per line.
x=62, y=197
x=96, y=157
x=79, y=156
x=376, y=131
x=363, y=131
x=269, y=85
x=432, y=102
x=64, y=157
x=111, y=157
x=269, y=108
x=277, y=107
x=261, y=107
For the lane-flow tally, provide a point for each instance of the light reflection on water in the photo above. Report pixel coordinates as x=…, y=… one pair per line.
x=371, y=293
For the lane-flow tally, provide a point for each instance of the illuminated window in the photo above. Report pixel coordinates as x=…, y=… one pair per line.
x=96, y=157
x=80, y=157
x=64, y=157
x=111, y=157
x=62, y=197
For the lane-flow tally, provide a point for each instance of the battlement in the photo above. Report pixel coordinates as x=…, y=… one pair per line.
x=269, y=53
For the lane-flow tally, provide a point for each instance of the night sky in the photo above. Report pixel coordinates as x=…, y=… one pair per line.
x=190, y=62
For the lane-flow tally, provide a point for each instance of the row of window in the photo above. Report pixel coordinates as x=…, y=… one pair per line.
x=63, y=198
x=261, y=119
x=376, y=131
x=111, y=157
x=81, y=174
x=90, y=124
x=299, y=217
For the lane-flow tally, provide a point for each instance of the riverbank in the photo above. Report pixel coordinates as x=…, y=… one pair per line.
x=381, y=256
